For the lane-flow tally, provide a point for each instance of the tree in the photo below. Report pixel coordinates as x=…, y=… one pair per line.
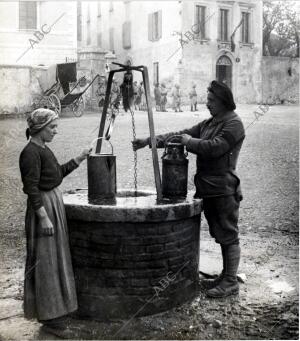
x=280, y=29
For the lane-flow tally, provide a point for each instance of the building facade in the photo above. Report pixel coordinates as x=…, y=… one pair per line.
x=38, y=32
x=184, y=42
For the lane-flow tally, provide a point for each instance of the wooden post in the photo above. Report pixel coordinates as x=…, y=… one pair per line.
x=152, y=134
x=144, y=71
x=104, y=112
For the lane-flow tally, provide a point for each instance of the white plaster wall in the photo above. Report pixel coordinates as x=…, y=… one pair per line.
x=142, y=51
x=60, y=43
x=19, y=89
x=198, y=62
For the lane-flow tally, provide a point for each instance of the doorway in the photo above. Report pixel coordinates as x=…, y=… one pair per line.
x=224, y=70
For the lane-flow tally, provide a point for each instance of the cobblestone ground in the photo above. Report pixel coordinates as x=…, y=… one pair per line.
x=267, y=307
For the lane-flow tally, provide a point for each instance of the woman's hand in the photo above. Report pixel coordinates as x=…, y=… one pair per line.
x=139, y=143
x=46, y=226
x=83, y=155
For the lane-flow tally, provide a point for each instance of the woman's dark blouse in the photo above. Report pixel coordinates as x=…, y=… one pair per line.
x=40, y=171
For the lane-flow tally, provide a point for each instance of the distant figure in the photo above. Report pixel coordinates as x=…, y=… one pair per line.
x=115, y=94
x=135, y=95
x=101, y=91
x=157, y=97
x=176, y=94
x=163, y=100
x=193, y=98
x=127, y=90
x=143, y=104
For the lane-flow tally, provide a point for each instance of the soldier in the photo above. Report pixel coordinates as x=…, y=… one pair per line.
x=193, y=98
x=135, y=94
x=163, y=101
x=115, y=94
x=143, y=104
x=157, y=97
x=217, y=143
x=100, y=92
x=176, y=94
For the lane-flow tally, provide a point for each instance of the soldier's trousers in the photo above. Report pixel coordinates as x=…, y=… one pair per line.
x=222, y=215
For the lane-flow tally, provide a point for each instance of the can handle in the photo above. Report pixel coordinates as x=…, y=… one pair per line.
x=99, y=138
x=170, y=138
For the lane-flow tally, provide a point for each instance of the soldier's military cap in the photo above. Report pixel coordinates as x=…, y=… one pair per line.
x=223, y=92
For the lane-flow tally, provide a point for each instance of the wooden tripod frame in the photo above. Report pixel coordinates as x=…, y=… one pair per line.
x=144, y=71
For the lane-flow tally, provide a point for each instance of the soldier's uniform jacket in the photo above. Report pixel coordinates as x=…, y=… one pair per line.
x=217, y=143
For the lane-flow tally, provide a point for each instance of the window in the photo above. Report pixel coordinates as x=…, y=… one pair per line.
x=88, y=27
x=155, y=26
x=99, y=31
x=99, y=9
x=79, y=21
x=111, y=39
x=155, y=73
x=223, y=32
x=99, y=39
x=88, y=33
x=126, y=32
x=27, y=15
x=245, y=27
x=200, y=22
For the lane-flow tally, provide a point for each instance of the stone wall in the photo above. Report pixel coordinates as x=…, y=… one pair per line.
x=280, y=76
x=119, y=266
x=133, y=256
x=19, y=88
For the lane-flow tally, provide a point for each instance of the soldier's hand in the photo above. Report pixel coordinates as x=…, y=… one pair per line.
x=185, y=139
x=139, y=143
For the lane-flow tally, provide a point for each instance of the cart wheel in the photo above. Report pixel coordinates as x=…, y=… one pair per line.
x=54, y=103
x=78, y=107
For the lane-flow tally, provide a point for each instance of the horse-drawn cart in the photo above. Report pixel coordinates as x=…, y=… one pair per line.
x=61, y=89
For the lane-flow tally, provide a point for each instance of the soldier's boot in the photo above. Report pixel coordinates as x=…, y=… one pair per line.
x=229, y=284
x=211, y=283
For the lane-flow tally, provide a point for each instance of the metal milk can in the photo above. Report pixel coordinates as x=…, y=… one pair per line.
x=101, y=175
x=174, y=170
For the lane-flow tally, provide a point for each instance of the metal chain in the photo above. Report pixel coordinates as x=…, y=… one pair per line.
x=134, y=153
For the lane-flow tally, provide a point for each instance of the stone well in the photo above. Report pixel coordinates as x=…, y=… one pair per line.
x=133, y=257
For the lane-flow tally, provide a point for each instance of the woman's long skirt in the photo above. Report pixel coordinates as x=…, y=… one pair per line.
x=49, y=288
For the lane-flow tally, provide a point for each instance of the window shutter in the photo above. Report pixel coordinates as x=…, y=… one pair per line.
x=203, y=23
x=111, y=39
x=27, y=15
x=159, y=24
x=220, y=25
x=99, y=39
x=126, y=35
x=150, y=27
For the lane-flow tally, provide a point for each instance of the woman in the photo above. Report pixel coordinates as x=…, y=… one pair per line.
x=49, y=288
